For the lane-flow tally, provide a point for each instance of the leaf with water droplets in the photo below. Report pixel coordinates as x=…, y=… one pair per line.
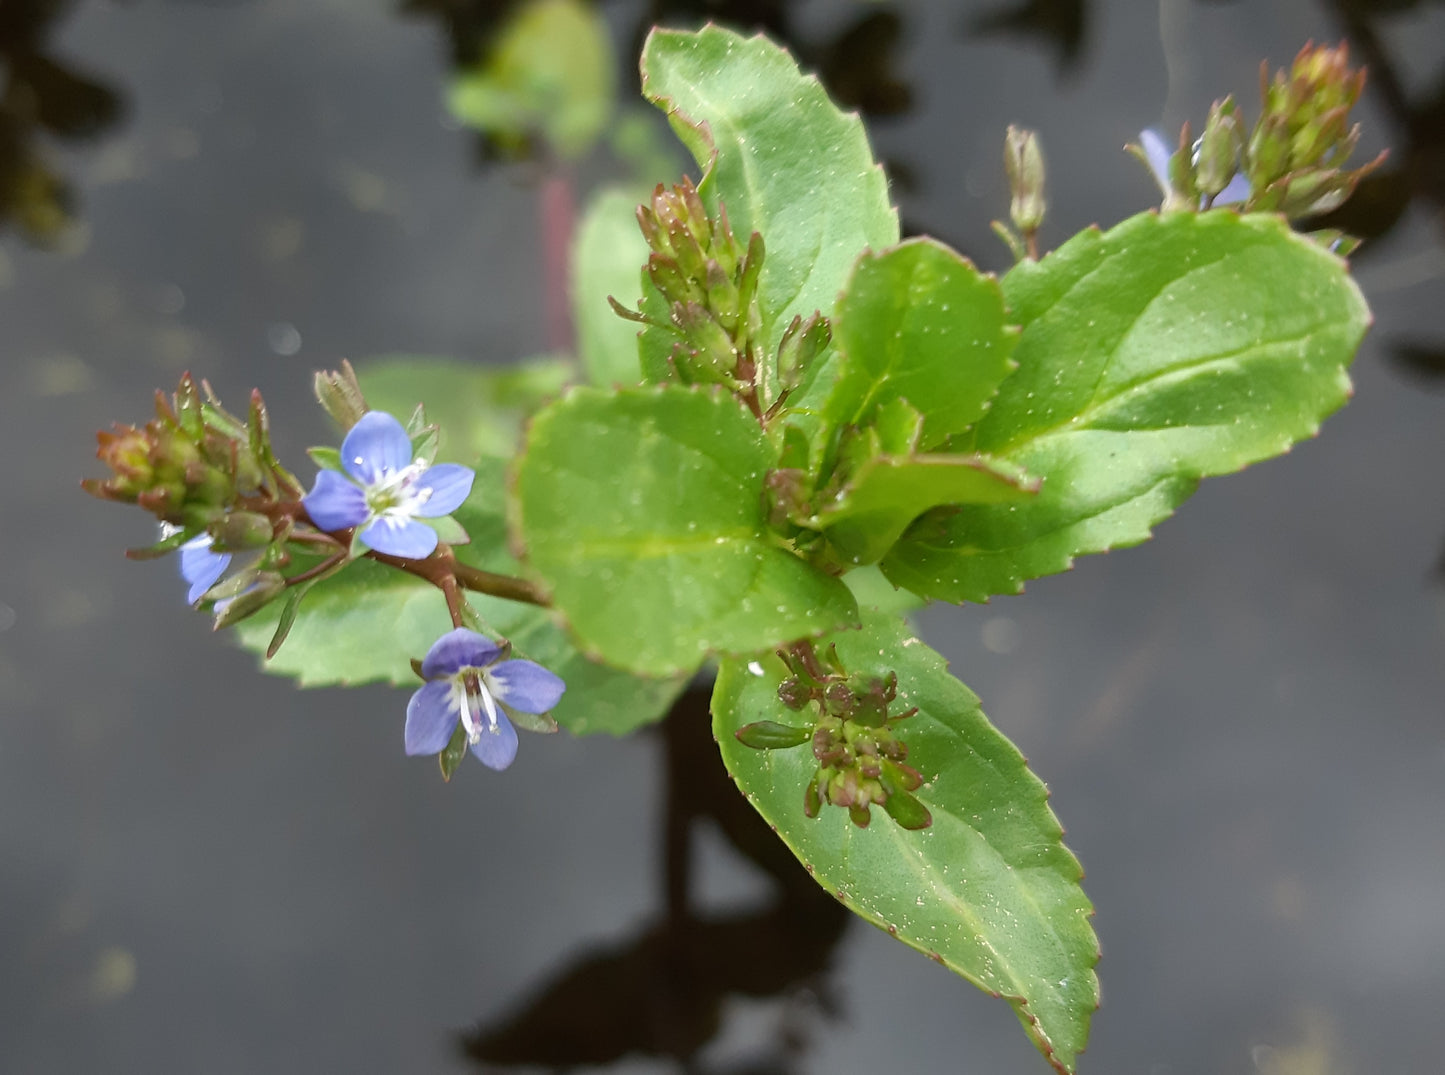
x=784, y=159
x=1167, y=349
x=642, y=511
x=989, y=889
x=918, y=322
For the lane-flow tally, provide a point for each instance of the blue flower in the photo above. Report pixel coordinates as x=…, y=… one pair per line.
x=202, y=567
x=466, y=683
x=1158, y=151
x=384, y=489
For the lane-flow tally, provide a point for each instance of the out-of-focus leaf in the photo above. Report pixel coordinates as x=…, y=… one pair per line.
x=551, y=72
x=480, y=409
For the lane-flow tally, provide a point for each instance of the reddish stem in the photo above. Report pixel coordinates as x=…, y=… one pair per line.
x=557, y=210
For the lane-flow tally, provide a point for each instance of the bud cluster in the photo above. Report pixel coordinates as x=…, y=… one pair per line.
x=861, y=760
x=194, y=465
x=710, y=284
x=1293, y=159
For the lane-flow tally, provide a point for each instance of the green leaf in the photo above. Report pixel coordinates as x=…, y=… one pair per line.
x=607, y=260
x=368, y=622
x=455, y=751
x=1165, y=350
x=479, y=409
x=325, y=457
x=918, y=322
x=448, y=530
x=889, y=492
x=988, y=890
x=287, y=618
x=872, y=590
x=780, y=156
x=642, y=512
x=551, y=72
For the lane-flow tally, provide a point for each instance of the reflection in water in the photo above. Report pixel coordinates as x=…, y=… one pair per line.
x=1059, y=23
x=41, y=96
x=662, y=992
x=1416, y=167
x=856, y=64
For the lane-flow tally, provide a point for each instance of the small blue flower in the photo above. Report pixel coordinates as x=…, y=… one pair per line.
x=466, y=683
x=1158, y=151
x=385, y=489
x=201, y=566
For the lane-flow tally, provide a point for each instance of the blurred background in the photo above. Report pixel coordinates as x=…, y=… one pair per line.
x=206, y=869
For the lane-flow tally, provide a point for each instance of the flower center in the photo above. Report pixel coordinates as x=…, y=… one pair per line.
x=474, y=701
x=395, y=496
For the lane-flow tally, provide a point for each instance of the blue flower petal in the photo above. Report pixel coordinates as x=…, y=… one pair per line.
x=401, y=537
x=525, y=685
x=430, y=719
x=334, y=503
x=202, y=567
x=1236, y=190
x=1157, y=150
x=497, y=749
x=450, y=485
x=458, y=649
x=375, y=446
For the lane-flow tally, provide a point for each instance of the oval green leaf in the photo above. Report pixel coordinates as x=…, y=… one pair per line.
x=783, y=159
x=1168, y=349
x=989, y=889
x=642, y=511
x=919, y=322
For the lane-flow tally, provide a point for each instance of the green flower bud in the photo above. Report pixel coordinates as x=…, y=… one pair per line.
x=239, y=530
x=263, y=588
x=1024, y=163
x=1219, y=148
x=339, y=394
x=802, y=342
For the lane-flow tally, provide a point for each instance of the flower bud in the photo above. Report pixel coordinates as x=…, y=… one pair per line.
x=710, y=357
x=793, y=694
x=838, y=700
x=1219, y=148
x=264, y=587
x=126, y=450
x=802, y=342
x=812, y=801
x=239, y=530
x=1024, y=163
x=340, y=396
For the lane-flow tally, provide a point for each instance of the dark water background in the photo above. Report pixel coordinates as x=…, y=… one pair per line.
x=204, y=869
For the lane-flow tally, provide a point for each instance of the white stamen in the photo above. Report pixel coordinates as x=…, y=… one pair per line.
x=468, y=687
x=491, y=708
x=462, y=702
